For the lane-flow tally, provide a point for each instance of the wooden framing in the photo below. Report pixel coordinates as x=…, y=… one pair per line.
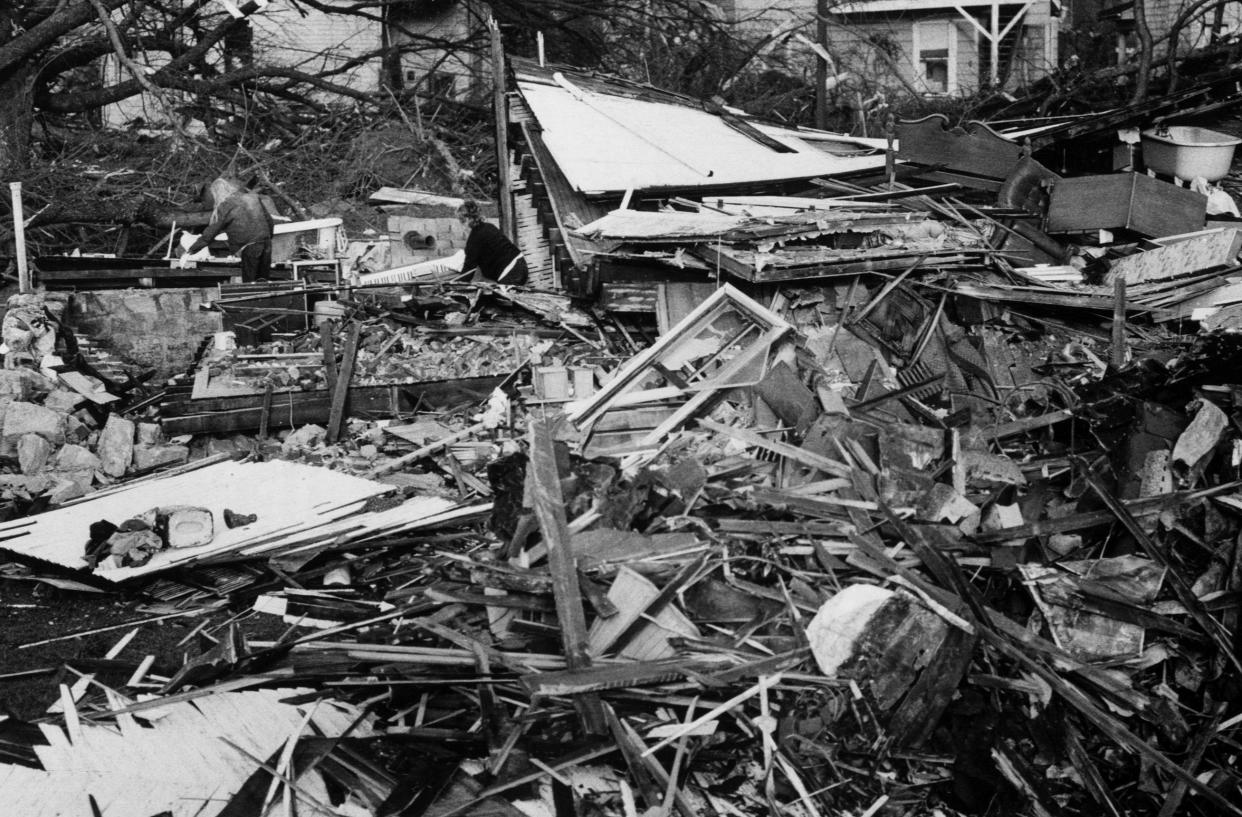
x=693, y=361
x=290, y=409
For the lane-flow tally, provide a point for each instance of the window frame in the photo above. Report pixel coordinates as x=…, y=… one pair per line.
x=920, y=70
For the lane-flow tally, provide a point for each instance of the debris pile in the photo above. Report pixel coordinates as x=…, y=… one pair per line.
x=924, y=497
x=760, y=567
x=56, y=428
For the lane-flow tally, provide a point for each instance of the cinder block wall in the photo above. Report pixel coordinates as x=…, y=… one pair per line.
x=447, y=236
x=159, y=329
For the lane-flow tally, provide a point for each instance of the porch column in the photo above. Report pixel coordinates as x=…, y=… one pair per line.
x=995, y=38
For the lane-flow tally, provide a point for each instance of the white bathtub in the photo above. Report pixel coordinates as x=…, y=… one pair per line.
x=1185, y=151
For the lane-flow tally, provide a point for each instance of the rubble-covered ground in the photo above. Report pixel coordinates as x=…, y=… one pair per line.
x=953, y=533
x=1007, y=589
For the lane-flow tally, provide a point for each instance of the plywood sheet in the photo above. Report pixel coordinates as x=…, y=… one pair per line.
x=287, y=497
x=1218, y=248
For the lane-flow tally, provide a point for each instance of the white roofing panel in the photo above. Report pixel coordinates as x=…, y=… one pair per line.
x=606, y=143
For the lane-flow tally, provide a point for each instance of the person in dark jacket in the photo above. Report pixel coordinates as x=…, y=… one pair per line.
x=488, y=251
x=241, y=215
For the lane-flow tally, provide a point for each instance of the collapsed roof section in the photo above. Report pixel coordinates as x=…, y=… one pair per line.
x=608, y=137
x=582, y=144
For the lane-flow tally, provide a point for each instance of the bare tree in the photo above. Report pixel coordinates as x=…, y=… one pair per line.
x=1146, y=45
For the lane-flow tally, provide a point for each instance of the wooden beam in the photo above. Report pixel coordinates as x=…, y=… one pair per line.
x=968, y=17
x=545, y=490
x=426, y=450
x=1016, y=19
x=19, y=238
x=216, y=415
x=1119, y=322
x=995, y=42
x=328, y=346
x=340, y=389
x=266, y=417
x=799, y=455
x=500, y=110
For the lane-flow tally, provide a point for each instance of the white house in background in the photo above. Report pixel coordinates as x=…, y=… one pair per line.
x=958, y=46
x=1221, y=21
x=299, y=37
x=939, y=46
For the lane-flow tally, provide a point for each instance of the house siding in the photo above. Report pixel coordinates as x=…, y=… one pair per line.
x=457, y=76
x=301, y=38
x=314, y=41
x=1162, y=14
x=1034, y=56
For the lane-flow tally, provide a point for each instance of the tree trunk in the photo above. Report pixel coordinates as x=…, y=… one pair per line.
x=17, y=109
x=1145, y=45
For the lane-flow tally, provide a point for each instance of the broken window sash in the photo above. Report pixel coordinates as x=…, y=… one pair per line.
x=723, y=344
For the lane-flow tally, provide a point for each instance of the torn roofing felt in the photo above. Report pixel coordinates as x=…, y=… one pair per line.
x=609, y=137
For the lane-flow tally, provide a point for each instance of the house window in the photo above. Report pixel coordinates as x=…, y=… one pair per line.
x=935, y=51
x=433, y=83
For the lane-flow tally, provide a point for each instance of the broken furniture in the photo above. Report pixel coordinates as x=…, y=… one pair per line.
x=1130, y=201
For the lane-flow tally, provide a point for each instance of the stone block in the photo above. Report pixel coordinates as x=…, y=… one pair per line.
x=304, y=438
x=76, y=458
x=67, y=489
x=116, y=446
x=32, y=453
x=63, y=401
x=26, y=418
x=30, y=485
x=221, y=445
x=17, y=383
x=155, y=456
x=77, y=431
x=150, y=434
x=155, y=328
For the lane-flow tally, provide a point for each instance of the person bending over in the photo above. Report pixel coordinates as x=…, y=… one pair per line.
x=241, y=215
x=488, y=251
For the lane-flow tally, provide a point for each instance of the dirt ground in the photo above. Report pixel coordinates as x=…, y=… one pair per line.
x=32, y=612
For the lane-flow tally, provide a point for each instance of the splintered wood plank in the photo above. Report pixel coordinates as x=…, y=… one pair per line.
x=340, y=389
x=54, y=755
x=550, y=510
x=327, y=346
x=633, y=594
x=919, y=713
x=793, y=452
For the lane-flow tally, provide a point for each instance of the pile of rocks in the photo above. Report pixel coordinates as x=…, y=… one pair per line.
x=51, y=444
